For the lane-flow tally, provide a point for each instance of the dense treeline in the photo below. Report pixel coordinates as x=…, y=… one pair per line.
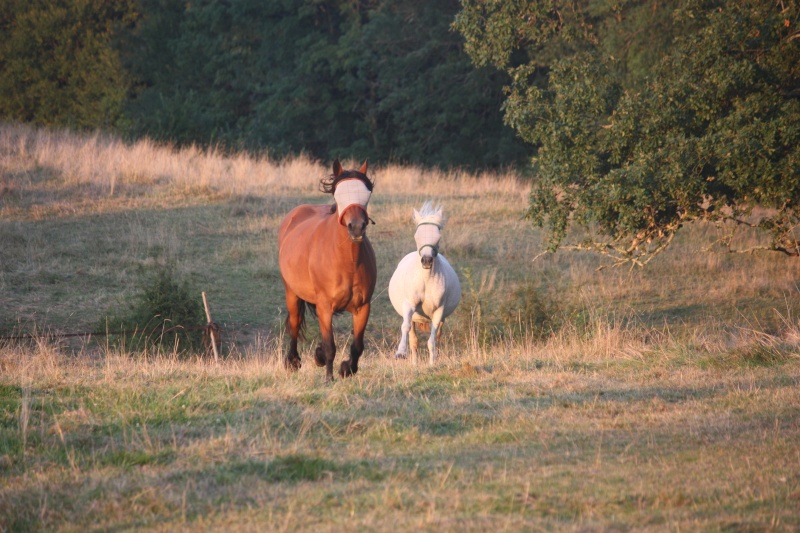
x=377, y=79
x=57, y=63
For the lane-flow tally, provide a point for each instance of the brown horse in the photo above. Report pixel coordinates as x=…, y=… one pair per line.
x=327, y=261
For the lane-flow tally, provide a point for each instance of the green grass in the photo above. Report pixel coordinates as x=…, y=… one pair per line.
x=192, y=445
x=657, y=399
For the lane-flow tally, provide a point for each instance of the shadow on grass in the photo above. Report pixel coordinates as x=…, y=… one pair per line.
x=25, y=511
x=293, y=468
x=668, y=395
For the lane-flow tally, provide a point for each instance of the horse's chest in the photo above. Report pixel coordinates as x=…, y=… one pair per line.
x=349, y=290
x=431, y=290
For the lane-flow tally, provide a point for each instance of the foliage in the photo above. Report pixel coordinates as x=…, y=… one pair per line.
x=162, y=308
x=378, y=79
x=635, y=138
x=57, y=61
x=529, y=312
x=370, y=79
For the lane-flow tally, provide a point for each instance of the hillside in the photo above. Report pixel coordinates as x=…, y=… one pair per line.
x=564, y=398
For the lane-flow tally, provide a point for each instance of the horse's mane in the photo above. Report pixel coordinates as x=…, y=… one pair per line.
x=431, y=214
x=328, y=184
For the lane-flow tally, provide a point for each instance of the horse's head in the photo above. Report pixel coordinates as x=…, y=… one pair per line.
x=355, y=219
x=351, y=189
x=430, y=222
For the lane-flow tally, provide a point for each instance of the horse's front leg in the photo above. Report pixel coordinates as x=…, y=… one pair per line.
x=402, y=348
x=360, y=318
x=325, y=317
x=436, y=321
x=413, y=342
x=294, y=321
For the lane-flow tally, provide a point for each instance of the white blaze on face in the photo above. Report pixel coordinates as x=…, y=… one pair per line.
x=428, y=235
x=350, y=192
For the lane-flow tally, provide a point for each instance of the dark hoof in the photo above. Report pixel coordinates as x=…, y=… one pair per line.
x=319, y=356
x=400, y=356
x=346, y=370
x=292, y=363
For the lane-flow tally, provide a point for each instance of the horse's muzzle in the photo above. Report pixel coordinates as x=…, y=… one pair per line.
x=427, y=261
x=356, y=232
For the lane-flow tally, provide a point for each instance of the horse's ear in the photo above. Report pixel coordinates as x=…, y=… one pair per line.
x=363, y=168
x=337, y=168
x=417, y=216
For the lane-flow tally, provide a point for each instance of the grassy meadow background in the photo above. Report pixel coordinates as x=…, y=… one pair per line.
x=564, y=397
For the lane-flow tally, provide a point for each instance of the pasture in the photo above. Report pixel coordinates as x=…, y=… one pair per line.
x=562, y=398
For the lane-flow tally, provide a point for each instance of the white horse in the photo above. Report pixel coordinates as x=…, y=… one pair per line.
x=424, y=288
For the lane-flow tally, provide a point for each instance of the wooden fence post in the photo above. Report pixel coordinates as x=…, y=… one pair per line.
x=210, y=329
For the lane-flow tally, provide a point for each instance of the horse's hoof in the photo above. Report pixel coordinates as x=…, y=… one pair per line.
x=345, y=370
x=292, y=364
x=399, y=356
x=319, y=356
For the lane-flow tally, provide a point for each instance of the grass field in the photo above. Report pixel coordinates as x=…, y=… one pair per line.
x=564, y=398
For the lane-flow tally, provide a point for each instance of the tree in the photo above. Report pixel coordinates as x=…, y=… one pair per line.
x=377, y=79
x=58, y=65
x=418, y=97
x=245, y=74
x=642, y=124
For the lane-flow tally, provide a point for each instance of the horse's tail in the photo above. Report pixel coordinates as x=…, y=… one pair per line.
x=301, y=310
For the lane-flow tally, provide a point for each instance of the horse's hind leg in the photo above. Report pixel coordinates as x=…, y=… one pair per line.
x=360, y=318
x=319, y=355
x=296, y=308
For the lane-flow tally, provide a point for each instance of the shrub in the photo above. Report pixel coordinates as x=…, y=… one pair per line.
x=158, y=315
x=527, y=312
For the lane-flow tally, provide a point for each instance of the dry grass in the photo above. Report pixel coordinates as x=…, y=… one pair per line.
x=99, y=168
x=519, y=436
x=663, y=399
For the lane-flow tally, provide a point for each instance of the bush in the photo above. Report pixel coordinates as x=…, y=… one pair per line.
x=163, y=307
x=527, y=312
